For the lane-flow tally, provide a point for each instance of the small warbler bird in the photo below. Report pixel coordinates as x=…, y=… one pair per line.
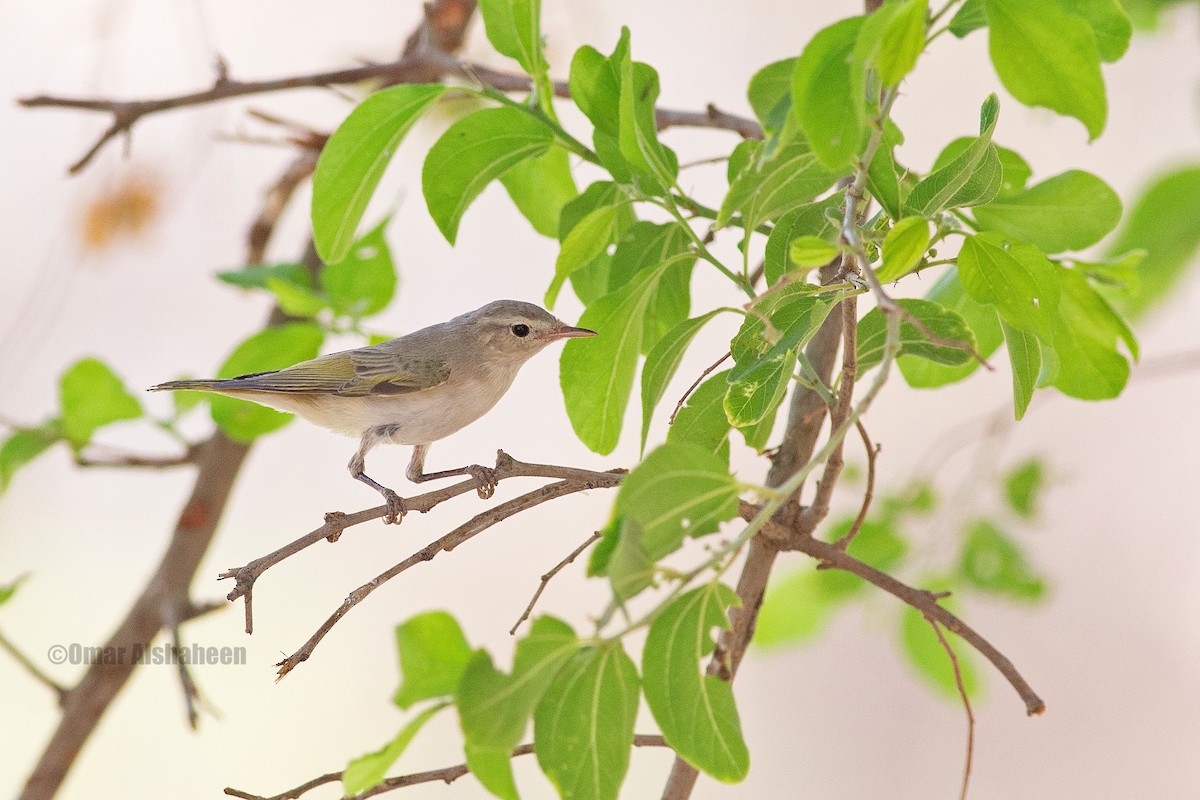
x=413, y=390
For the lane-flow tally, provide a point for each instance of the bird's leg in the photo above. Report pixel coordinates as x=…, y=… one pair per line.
x=484, y=476
x=395, y=503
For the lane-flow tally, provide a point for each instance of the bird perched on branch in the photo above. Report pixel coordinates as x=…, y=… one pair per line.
x=413, y=390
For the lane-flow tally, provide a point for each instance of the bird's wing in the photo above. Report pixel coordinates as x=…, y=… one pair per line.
x=353, y=373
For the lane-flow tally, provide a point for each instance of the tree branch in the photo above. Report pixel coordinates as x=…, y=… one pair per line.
x=581, y=481
x=27, y=664
x=962, y=693
x=445, y=775
x=420, y=64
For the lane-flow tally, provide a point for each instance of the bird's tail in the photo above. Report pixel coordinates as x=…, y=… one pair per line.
x=195, y=385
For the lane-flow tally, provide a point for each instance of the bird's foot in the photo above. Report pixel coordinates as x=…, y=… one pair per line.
x=396, y=508
x=486, y=478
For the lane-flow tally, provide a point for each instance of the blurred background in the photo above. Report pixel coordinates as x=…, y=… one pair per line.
x=118, y=261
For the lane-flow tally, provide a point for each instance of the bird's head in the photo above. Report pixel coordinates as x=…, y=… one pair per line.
x=514, y=331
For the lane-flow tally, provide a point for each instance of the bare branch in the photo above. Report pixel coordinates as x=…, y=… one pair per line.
x=336, y=522
x=962, y=692
x=924, y=601
x=445, y=775
x=547, y=577
x=477, y=524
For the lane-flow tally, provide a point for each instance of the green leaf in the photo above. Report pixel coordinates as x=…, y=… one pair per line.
x=1023, y=485
x=702, y=420
x=765, y=191
x=591, y=281
x=596, y=85
x=770, y=94
x=1048, y=57
x=363, y=283
x=493, y=707
x=647, y=245
x=1163, y=223
x=903, y=248
x=765, y=359
x=883, y=174
x=588, y=239
x=1083, y=360
x=92, y=396
x=812, y=251
x=930, y=659
x=755, y=393
x=270, y=349
x=433, y=654
x=514, y=29
x=540, y=187
x=1116, y=272
x=941, y=321
x=492, y=767
x=972, y=15
x=257, y=276
x=9, y=589
x=662, y=363
x=1025, y=355
x=830, y=96
x=1017, y=171
x=1015, y=277
x=1070, y=211
x=679, y=490
x=892, y=39
x=948, y=292
x=695, y=711
x=22, y=447
x=366, y=771
x=1109, y=23
x=596, y=381
x=354, y=158
x=583, y=727
x=472, y=153
x=972, y=177
x=293, y=300
x=637, y=135
x=993, y=562
x=811, y=219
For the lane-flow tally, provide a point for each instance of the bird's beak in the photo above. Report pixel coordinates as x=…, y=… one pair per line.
x=567, y=332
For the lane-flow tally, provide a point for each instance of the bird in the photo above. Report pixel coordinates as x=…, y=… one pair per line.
x=413, y=390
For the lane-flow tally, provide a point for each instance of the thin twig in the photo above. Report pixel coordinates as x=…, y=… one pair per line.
x=445, y=775
x=60, y=691
x=462, y=533
x=962, y=692
x=695, y=383
x=112, y=458
x=547, y=577
x=868, y=494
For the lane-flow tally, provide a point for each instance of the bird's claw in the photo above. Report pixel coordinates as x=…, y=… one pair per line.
x=396, y=508
x=486, y=477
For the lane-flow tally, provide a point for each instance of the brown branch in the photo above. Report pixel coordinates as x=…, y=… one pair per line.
x=962, y=692
x=422, y=62
x=477, y=524
x=922, y=600
x=337, y=522
x=445, y=775
x=135, y=461
x=547, y=577
x=868, y=494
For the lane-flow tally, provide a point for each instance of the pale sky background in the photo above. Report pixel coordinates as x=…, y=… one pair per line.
x=1115, y=651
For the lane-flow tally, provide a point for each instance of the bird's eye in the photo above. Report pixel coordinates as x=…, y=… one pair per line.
x=520, y=329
